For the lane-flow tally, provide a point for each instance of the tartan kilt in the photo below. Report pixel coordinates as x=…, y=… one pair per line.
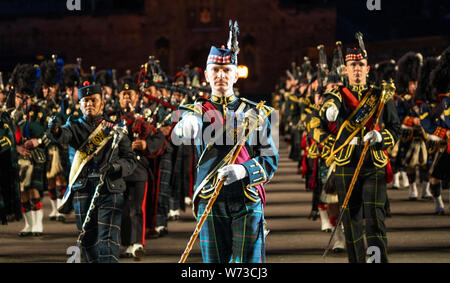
x=441, y=171
x=234, y=228
x=367, y=202
x=101, y=242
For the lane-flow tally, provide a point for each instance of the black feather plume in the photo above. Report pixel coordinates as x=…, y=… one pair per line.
x=439, y=77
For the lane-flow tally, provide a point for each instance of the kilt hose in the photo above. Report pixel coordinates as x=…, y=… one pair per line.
x=101, y=243
x=367, y=201
x=234, y=229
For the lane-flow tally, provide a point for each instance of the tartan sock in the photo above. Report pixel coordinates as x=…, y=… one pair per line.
x=322, y=206
x=36, y=204
x=52, y=193
x=26, y=206
x=60, y=191
x=333, y=220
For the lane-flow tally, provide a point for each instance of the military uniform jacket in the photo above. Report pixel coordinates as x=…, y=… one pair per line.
x=389, y=125
x=76, y=132
x=435, y=119
x=263, y=155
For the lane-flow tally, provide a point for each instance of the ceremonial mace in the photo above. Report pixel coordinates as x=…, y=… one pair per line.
x=214, y=196
x=387, y=92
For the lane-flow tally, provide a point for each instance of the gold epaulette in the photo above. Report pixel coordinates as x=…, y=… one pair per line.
x=314, y=122
x=315, y=106
x=305, y=101
x=335, y=92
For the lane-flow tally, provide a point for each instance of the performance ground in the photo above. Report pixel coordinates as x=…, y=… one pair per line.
x=415, y=234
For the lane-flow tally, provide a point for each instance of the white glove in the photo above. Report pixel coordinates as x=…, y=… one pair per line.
x=373, y=137
x=332, y=113
x=188, y=127
x=233, y=173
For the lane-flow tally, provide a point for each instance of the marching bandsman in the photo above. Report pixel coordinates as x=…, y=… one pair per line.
x=69, y=110
x=369, y=194
x=30, y=145
x=412, y=149
x=312, y=101
x=57, y=156
x=423, y=95
x=10, y=205
x=105, y=79
x=234, y=228
x=435, y=119
x=184, y=163
x=295, y=114
x=165, y=180
x=385, y=71
x=327, y=200
x=312, y=157
x=155, y=102
x=71, y=81
x=146, y=142
x=105, y=155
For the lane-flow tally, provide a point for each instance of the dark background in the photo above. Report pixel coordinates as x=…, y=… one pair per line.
x=122, y=34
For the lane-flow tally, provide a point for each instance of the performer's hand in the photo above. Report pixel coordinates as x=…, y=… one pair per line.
x=373, y=137
x=332, y=113
x=139, y=145
x=23, y=151
x=232, y=173
x=31, y=143
x=166, y=130
x=110, y=168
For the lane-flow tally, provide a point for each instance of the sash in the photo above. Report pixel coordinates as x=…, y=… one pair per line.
x=214, y=158
x=94, y=143
x=361, y=116
x=214, y=116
